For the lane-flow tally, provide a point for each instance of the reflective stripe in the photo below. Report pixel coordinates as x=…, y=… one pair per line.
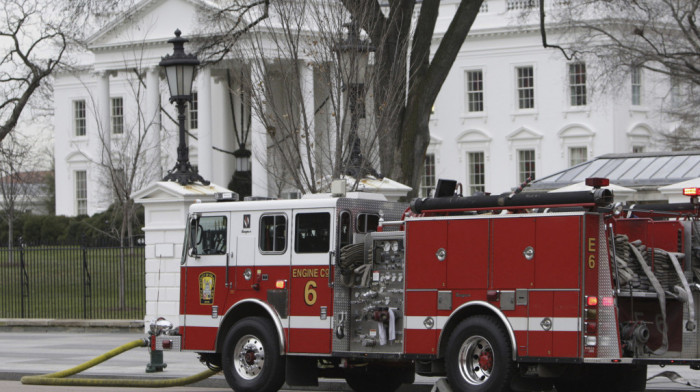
x=559, y=324
x=309, y=322
x=195, y=320
x=418, y=322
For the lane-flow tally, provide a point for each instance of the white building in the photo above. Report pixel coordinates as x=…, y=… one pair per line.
x=508, y=109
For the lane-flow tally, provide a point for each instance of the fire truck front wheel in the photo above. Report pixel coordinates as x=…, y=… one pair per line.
x=251, y=357
x=478, y=357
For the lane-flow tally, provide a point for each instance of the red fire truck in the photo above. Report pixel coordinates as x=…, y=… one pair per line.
x=528, y=290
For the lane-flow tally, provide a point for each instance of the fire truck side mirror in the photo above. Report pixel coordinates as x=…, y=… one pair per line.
x=193, y=229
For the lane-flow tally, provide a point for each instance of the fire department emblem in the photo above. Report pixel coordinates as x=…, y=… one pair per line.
x=207, y=281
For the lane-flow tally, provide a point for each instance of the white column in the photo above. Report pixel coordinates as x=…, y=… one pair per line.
x=100, y=187
x=258, y=141
x=103, y=115
x=153, y=122
x=306, y=81
x=204, y=150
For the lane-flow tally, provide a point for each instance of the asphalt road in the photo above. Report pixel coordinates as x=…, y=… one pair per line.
x=24, y=353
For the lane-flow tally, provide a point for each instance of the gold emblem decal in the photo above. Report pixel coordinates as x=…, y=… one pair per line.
x=207, y=281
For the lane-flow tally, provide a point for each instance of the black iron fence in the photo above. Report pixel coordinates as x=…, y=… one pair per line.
x=72, y=282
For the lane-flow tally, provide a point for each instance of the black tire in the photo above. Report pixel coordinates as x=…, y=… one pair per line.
x=251, y=357
x=478, y=357
x=374, y=378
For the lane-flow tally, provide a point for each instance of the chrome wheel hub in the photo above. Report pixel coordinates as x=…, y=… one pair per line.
x=476, y=360
x=249, y=357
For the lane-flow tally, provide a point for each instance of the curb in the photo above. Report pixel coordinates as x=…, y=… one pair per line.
x=70, y=325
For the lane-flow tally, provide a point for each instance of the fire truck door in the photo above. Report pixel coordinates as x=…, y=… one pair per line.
x=205, y=278
x=311, y=297
x=426, y=259
x=513, y=253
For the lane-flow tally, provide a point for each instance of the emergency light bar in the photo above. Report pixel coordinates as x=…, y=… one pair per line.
x=690, y=191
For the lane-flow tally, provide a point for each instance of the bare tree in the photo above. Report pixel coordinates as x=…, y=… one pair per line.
x=403, y=60
x=18, y=186
x=401, y=92
x=659, y=36
x=34, y=47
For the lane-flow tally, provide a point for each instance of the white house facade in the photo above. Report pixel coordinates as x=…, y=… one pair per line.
x=509, y=109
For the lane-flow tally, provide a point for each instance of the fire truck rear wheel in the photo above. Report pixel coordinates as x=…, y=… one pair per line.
x=478, y=357
x=251, y=357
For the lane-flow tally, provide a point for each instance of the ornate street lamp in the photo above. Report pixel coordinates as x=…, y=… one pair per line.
x=180, y=69
x=353, y=57
x=241, y=181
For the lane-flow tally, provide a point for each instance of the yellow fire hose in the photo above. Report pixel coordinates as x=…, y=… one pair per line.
x=57, y=378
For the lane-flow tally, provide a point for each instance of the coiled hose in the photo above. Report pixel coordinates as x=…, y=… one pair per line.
x=57, y=378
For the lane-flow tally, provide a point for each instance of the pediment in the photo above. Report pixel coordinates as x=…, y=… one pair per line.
x=149, y=21
x=77, y=157
x=575, y=131
x=642, y=130
x=474, y=136
x=524, y=133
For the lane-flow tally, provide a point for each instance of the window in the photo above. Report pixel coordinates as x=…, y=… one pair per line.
x=81, y=192
x=79, y=121
x=577, y=84
x=345, y=232
x=427, y=181
x=475, y=91
x=637, y=149
x=117, y=116
x=367, y=223
x=526, y=165
x=194, y=114
x=521, y=4
x=273, y=234
x=313, y=232
x=526, y=87
x=210, y=235
x=577, y=155
x=636, y=75
x=477, y=177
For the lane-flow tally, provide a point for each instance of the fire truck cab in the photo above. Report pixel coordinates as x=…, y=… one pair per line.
x=495, y=292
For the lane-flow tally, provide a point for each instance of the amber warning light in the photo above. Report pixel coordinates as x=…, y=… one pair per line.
x=690, y=191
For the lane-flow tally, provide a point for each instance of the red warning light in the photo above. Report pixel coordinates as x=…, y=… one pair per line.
x=690, y=191
x=592, y=301
x=597, y=182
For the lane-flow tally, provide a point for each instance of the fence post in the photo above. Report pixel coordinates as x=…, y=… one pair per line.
x=24, y=276
x=87, y=280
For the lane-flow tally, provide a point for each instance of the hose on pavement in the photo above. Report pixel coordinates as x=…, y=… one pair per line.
x=58, y=378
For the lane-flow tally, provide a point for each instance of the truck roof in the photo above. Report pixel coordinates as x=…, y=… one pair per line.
x=317, y=201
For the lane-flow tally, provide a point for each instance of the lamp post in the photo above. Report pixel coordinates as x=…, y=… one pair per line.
x=353, y=57
x=180, y=69
x=241, y=181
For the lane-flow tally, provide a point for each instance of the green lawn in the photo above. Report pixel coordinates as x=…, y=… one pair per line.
x=57, y=283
